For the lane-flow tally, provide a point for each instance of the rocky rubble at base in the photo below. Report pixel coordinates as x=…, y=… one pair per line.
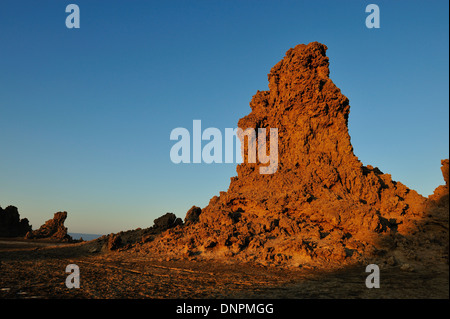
x=322, y=206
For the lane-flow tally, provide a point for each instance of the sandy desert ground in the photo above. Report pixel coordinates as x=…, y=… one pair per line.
x=37, y=270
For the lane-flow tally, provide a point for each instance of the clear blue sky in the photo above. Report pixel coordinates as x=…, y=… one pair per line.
x=86, y=114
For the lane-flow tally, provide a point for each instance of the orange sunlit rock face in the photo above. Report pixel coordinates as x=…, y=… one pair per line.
x=322, y=206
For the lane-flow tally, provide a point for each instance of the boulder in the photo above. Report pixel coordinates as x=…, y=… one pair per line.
x=193, y=214
x=167, y=221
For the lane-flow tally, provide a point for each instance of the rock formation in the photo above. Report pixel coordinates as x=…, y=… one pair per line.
x=10, y=223
x=322, y=206
x=52, y=229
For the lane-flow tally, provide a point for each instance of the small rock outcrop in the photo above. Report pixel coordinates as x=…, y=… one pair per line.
x=10, y=223
x=53, y=229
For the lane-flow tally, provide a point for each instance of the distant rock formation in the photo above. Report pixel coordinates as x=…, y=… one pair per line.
x=322, y=206
x=52, y=229
x=10, y=223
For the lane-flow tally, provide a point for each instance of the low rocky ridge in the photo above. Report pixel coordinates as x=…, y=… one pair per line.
x=126, y=240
